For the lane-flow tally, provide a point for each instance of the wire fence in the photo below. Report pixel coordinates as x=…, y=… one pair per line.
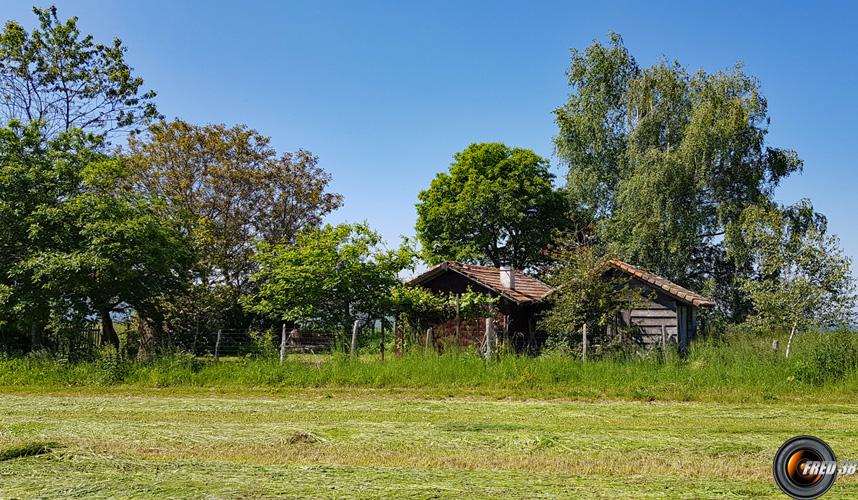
x=248, y=342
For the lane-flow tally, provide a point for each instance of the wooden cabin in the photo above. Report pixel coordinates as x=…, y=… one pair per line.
x=668, y=313
x=521, y=298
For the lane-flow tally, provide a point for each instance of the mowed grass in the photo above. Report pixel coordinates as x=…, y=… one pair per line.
x=374, y=442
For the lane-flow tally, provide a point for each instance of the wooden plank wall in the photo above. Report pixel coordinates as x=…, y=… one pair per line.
x=649, y=317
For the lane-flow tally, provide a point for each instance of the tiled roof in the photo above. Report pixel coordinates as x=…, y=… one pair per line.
x=527, y=288
x=665, y=285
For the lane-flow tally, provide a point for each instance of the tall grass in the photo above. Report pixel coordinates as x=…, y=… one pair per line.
x=740, y=368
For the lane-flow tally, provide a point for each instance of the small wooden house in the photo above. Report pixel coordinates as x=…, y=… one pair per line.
x=668, y=313
x=521, y=298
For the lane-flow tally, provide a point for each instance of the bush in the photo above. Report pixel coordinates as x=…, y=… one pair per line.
x=832, y=357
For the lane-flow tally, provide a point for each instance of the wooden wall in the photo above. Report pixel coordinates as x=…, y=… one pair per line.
x=658, y=310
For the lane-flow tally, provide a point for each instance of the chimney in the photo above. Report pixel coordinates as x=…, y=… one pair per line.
x=507, y=277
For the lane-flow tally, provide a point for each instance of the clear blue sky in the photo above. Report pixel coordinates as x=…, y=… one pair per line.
x=385, y=92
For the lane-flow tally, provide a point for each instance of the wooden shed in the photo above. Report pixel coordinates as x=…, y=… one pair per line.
x=521, y=298
x=669, y=311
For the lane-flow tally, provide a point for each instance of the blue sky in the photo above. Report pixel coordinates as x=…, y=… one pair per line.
x=385, y=92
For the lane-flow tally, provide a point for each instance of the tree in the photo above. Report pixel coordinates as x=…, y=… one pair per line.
x=77, y=245
x=587, y=293
x=803, y=280
x=56, y=76
x=665, y=161
x=497, y=206
x=36, y=176
x=329, y=277
x=117, y=253
x=228, y=191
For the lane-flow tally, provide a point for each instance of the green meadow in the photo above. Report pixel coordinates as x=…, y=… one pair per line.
x=424, y=426
x=374, y=442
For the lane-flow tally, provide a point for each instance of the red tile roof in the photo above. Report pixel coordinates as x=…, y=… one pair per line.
x=527, y=288
x=530, y=289
x=664, y=285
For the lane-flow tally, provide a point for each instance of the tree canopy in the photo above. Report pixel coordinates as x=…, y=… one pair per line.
x=663, y=162
x=228, y=190
x=328, y=278
x=497, y=205
x=77, y=247
x=65, y=80
x=802, y=278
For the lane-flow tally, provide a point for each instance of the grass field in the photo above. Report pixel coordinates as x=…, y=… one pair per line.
x=376, y=442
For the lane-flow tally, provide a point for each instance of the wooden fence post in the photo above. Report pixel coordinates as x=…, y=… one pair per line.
x=428, y=338
x=354, y=336
x=663, y=337
x=397, y=339
x=584, y=343
x=217, y=345
x=458, y=323
x=381, y=343
x=491, y=339
x=283, y=344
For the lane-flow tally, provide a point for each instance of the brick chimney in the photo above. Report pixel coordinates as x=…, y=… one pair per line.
x=507, y=277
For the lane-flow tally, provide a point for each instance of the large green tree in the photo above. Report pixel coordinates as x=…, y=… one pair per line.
x=77, y=244
x=229, y=190
x=64, y=79
x=36, y=176
x=663, y=162
x=328, y=278
x=497, y=205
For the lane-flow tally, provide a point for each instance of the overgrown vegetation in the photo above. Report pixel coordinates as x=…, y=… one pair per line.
x=737, y=368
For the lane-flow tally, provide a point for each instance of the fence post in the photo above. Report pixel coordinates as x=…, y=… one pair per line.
x=663, y=337
x=584, y=343
x=283, y=344
x=428, y=338
x=381, y=344
x=217, y=345
x=397, y=339
x=491, y=339
x=354, y=336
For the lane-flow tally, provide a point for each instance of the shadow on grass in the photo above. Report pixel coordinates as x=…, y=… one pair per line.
x=27, y=450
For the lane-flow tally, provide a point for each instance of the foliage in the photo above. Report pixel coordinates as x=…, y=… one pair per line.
x=329, y=277
x=74, y=246
x=417, y=306
x=831, y=359
x=65, y=80
x=664, y=162
x=803, y=279
x=587, y=292
x=229, y=190
x=497, y=205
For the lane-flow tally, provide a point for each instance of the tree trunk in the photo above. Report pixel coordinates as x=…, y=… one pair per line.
x=791, y=336
x=34, y=336
x=108, y=332
x=147, y=341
